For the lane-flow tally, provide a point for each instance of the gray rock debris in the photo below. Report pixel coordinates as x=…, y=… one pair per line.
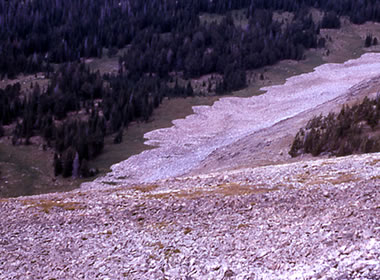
x=307, y=220
x=203, y=140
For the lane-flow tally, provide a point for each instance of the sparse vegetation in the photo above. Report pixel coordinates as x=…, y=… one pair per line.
x=343, y=178
x=220, y=190
x=354, y=130
x=146, y=188
x=169, y=252
x=47, y=205
x=370, y=40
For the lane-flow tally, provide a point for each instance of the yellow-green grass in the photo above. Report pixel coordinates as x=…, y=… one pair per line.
x=47, y=205
x=220, y=190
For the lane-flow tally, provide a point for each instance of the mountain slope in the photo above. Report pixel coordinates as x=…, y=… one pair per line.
x=210, y=138
x=305, y=220
x=234, y=209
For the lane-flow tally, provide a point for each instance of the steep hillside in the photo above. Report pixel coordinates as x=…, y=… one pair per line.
x=271, y=145
x=305, y=220
x=354, y=130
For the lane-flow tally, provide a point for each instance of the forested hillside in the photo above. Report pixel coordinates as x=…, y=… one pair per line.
x=354, y=130
x=162, y=41
x=36, y=33
x=78, y=109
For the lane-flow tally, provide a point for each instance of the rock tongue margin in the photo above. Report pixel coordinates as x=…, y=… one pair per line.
x=183, y=146
x=271, y=145
x=306, y=220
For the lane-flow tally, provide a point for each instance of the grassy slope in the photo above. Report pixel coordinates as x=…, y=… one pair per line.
x=27, y=170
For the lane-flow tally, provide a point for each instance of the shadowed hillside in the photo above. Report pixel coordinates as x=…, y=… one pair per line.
x=354, y=130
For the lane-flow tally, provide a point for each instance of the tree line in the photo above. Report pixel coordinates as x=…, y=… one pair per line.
x=351, y=131
x=78, y=109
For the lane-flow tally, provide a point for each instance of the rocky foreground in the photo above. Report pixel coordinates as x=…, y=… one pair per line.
x=306, y=220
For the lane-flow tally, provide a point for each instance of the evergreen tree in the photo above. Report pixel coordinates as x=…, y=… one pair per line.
x=76, y=166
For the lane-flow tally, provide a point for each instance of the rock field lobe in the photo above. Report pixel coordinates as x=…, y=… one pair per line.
x=190, y=141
